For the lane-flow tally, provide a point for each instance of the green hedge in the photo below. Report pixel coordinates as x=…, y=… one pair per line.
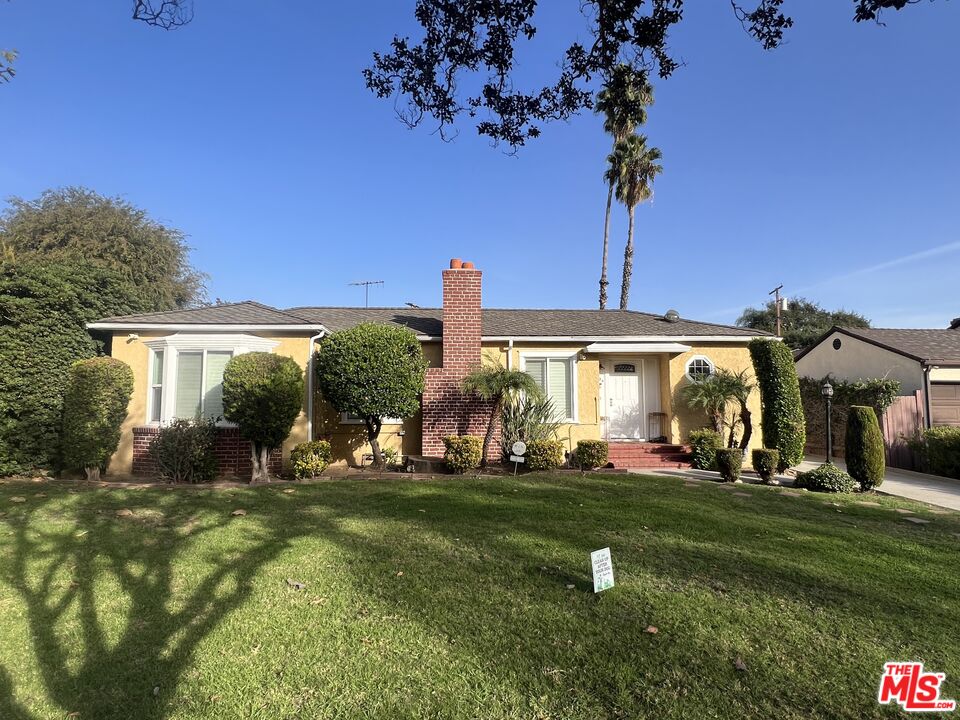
x=765, y=462
x=864, y=451
x=94, y=408
x=703, y=448
x=876, y=393
x=939, y=450
x=544, y=454
x=591, y=454
x=310, y=459
x=463, y=453
x=184, y=451
x=781, y=409
x=826, y=478
x=729, y=463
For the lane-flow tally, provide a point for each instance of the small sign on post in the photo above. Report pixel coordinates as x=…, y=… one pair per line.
x=602, y=569
x=518, y=449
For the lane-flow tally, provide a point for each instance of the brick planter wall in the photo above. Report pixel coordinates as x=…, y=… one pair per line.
x=446, y=410
x=232, y=452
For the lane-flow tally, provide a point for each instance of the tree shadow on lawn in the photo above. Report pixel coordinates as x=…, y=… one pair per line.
x=508, y=554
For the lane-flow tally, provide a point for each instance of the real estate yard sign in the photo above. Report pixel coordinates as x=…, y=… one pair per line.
x=602, y=569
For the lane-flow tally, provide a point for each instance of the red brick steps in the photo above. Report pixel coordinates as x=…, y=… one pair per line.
x=648, y=455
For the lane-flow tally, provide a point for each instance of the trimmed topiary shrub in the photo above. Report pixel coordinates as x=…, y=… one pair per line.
x=544, y=454
x=263, y=395
x=782, y=418
x=765, y=462
x=826, y=478
x=184, y=451
x=703, y=448
x=310, y=459
x=463, y=453
x=939, y=450
x=729, y=463
x=590, y=454
x=864, y=450
x=94, y=407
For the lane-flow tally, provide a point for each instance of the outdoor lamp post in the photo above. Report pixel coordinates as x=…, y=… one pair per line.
x=827, y=392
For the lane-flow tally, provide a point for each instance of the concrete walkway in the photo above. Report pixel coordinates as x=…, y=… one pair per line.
x=930, y=489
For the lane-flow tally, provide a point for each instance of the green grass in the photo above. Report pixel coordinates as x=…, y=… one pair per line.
x=449, y=599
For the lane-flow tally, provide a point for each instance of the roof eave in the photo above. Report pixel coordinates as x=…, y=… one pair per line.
x=206, y=327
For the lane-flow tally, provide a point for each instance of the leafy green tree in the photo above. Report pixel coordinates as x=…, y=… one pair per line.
x=636, y=166
x=802, y=323
x=94, y=408
x=263, y=395
x=372, y=371
x=43, y=310
x=623, y=103
x=782, y=420
x=865, y=453
x=494, y=384
x=75, y=223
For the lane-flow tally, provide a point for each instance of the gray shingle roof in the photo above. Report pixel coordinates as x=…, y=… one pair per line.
x=533, y=322
x=241, y=313
x=931, y=346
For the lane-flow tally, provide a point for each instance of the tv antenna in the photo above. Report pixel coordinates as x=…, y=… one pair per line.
x=366, y=289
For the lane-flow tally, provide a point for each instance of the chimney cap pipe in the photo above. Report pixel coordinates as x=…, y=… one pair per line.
x=456, y=263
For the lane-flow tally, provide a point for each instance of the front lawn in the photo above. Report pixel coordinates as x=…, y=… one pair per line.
x=450, y=599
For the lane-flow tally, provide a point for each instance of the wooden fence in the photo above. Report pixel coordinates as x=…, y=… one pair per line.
x=902, y=420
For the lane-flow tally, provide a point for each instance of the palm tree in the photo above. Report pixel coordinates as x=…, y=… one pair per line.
x=710, y=394
x=494, y=384
x=638, y=165
x=740, y=385
x=623, y=101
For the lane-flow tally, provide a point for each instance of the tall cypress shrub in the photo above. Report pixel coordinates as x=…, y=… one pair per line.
x=784, y=428
x=864, y=450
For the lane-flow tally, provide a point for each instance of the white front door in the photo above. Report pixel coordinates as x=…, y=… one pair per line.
x=624, y=396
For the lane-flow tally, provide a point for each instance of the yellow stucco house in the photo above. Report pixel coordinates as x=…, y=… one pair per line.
x=613, y=374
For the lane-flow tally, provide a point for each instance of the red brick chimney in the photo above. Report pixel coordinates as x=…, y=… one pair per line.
x=446, y=410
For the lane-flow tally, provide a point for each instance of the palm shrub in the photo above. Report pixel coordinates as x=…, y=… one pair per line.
x=826, y=478
x=183, y=451
x=463, y=453
x=495, y=384
x=711, y=394
x=528, y=418
x=94, y=407
x=781, y=409
x=544, y=454
x=590, y=454
x=729, y=463
x=310, y=459
x=864, y=447
x=703, y=448
x=263, y=395
x=765, y=462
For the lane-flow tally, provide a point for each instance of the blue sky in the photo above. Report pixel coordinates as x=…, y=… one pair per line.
x=830, y=165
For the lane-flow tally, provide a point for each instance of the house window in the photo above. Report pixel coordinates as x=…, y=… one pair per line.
x=156, y=386
x=199, y=383
x=699, y=367
x=555, y=376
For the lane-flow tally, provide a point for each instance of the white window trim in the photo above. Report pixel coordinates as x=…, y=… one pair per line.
x=574, y=356
x=690, y=360
x=346, y=420
x=173, y=345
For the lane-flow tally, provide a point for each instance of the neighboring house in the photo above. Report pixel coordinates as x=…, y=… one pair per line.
x=925, y=361
x=612, y=374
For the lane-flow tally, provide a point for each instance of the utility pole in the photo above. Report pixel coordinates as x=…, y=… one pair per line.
x=776, y=301
x=366, y=289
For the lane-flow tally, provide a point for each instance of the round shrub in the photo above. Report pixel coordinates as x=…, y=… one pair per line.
x=183, y=451
x=94, y=407
x=826, y=478
x=463, y=453
x=765, y=462
x=782, y=419
x=939, y=450
x=544, y=454
x=591, y=454
x=864, y=448
x=310, y=459
x=703, y=448
x=263, y=395
x=729, y=462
